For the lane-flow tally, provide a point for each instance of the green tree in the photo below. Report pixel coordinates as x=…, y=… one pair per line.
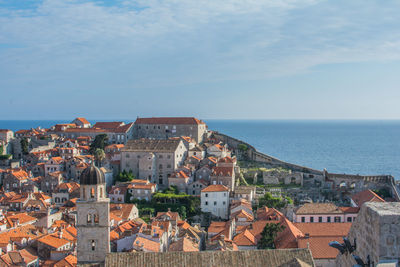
x=99, y=156
x=242, y=147
x=1, y=150
x=125, y=176
x=24, y=146
x=182, y=212
x=269, y=234
x=100, y=141
x=273, y=202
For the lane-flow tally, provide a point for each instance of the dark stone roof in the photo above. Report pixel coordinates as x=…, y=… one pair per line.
x=151, y=145
x=273, y=257
x=91, y=176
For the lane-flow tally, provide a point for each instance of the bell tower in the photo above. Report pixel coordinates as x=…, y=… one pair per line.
x=93, y=221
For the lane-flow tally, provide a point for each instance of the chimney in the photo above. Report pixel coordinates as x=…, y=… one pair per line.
x=60, y=234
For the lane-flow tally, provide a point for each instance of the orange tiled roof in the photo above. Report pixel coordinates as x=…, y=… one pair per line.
x=69, y=261
x=215, y=188
x=366, y=196
x=179, y=174
x=82, y=120
x=184, y=244
x=22, y=218
x=319, y=208
x=17, y=258
x=146, y=244
x=20, y=174
x=53, y=241
x=245, y=238
x=223, y=171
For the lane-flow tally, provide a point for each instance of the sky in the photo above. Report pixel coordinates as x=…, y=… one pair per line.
x=230, y=59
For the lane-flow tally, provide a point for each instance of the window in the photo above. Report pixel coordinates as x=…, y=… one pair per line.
x=160, y=156
x=319, y=219
x=223, y=202
x=206, y=203
x=206, y=195
x=348, y=219
x=311, y=219
x=224, y=194
x=160, y=166
x=337, y=219
x=215, y=203
x=329, y=219
x=93, y=245
x=169, y=166
x=89, y=218
x=92, y=193
x=160, y=181
x=194, y=192
x=169, y=156
x=303, y=219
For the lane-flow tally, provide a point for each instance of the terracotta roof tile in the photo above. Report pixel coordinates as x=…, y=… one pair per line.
x=366, y=196
x=215, y=188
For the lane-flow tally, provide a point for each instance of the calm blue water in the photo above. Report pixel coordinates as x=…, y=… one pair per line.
x=358, y=147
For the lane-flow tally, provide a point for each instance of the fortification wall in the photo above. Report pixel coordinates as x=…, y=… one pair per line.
x=257, y=156
x=377, y=233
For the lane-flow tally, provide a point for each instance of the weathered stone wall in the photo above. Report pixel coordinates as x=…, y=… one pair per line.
x=377, y=231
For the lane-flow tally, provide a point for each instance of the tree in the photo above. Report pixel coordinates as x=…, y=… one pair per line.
x=242, y=147
x=269, y=234
x=182, y=212
x=1, y=150
x=273, y=202
x=99, y=156
x=24, y=146
x=125, y=176
x=100, y=141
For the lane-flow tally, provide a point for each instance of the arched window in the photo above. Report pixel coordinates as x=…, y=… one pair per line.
x=57, y=200
x=92, y=192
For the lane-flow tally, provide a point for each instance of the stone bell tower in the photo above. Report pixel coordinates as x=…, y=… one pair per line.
x=93, y=222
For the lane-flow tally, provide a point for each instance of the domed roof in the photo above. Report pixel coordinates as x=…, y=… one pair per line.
x=92, y=176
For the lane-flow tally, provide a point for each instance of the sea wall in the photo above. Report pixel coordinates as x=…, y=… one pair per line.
x=258, y=156
x=361, y=181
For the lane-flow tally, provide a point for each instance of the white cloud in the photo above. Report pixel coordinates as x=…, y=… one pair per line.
x=146, y=44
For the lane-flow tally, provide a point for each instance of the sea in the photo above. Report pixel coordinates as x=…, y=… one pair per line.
x=365, y=147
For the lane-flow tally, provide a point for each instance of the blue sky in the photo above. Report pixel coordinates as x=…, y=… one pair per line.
x=236, y=59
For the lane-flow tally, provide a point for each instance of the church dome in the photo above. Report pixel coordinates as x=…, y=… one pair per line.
x=92, y=176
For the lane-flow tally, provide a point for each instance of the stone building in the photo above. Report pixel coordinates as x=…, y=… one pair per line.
x=153, y=160
x=6, y=135
x=224, y=176
x=93, y=217
x=276, y=176
x=377, y=234
x=166, y=127
x=117, y=132
x=51, y=181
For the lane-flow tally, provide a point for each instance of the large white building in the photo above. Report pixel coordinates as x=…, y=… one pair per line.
x=215, y=199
